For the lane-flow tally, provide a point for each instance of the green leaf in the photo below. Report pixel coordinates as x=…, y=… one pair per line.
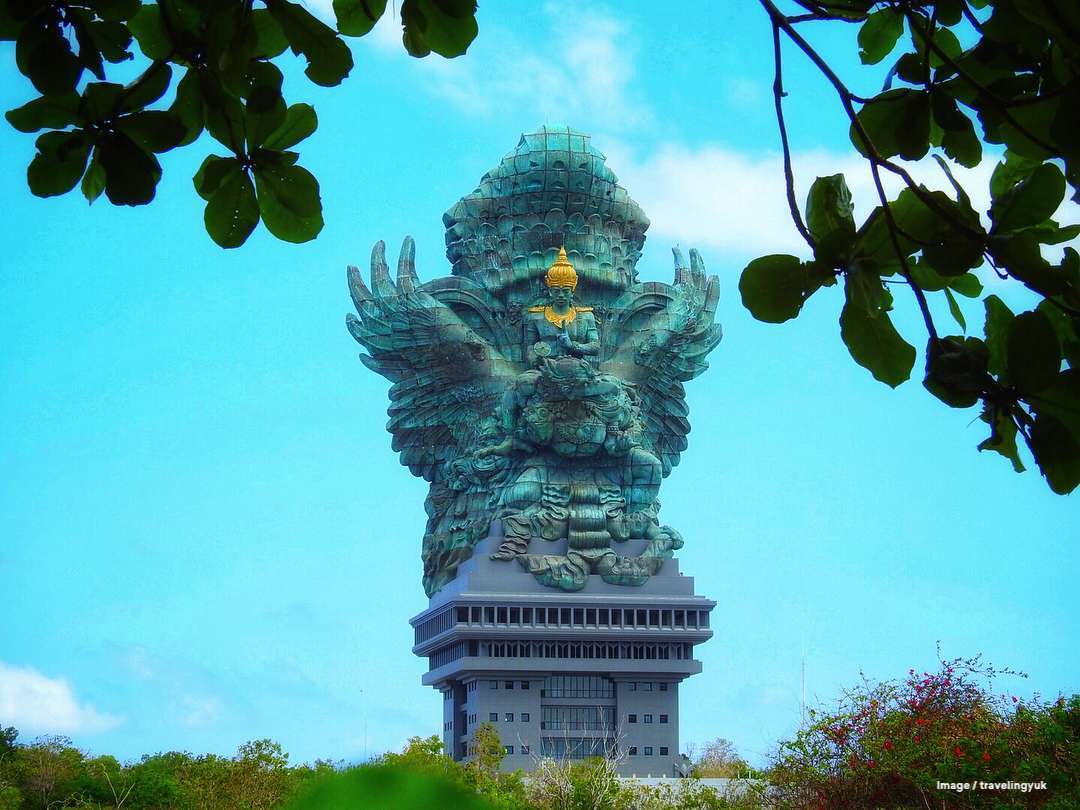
x=999, y=319
x=1033, y=353
x=1019, y=254
x=59, y=163
x=775, y=287
x=1036, y=119
x=269, y=38
x=150, y=33
x=956, y=370
x=830, y=219
x=357, y=17
x=153, y=130
x=926, y=277
x=914, y=218
x=446, y=27
x=188, y=106
x=1050, y=233
x=111, y=38
x=232, y=211
x=93, y=182
x=944, y=41
x=148, y=88
x=231, y=41
x=44, y=55
x=1056, y=452
x=329, y=59
x=1067, y=328
x=131, y=173
x=300, y=121
x=968, y=285
x=1009, y=172
x=878, y=35
x=116, y=9
x=897, y=123
x=47, y=112
x=954, y=310
x=265, y=109
x=1031, y=201
x=289, y=202
x=212, y=173
x=101, y=101
x=1002, y=436
x=224, y=117
x=1061, y=399
x=958, y=132
x=868, y=332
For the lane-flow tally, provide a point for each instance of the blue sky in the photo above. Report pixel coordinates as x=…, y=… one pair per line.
x=205, y=537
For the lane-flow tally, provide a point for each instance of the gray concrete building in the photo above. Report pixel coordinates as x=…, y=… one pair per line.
x=563, y=674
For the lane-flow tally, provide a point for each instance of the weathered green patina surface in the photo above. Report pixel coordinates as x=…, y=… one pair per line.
x=540, y=383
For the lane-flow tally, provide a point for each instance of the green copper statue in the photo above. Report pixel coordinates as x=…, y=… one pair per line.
x=518, y=403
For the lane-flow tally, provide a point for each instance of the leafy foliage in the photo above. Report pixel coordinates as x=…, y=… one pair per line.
x=1016, y=87
x=889, y=745
x=106, y=137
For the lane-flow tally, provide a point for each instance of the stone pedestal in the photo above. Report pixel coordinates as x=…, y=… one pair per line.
x=563, y=675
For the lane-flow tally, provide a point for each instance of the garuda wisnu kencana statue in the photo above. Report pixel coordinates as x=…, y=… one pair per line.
x=541, y=383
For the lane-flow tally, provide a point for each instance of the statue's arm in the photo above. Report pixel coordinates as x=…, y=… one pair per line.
x=532, y=337
x=591, y=345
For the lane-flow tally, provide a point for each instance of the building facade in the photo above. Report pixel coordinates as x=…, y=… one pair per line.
x=564, y=676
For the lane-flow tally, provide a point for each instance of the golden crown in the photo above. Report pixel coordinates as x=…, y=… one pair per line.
x=562, y=273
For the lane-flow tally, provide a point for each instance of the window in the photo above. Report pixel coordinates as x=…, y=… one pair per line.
x=509, y=749
x=524, y=749
x=509, y=717
x=663, y=687
x=663, y=750
x=508, y=685
x=524, y=717
x=494, y=684
x=645, y=687
x=493, y=717
x=577, y=718
x=663, y=718
x=631, y=687
x=647, y=718
x=648, y=750
x=489, y=615
x=632, y=718
x=524, y=684
x=633, y=751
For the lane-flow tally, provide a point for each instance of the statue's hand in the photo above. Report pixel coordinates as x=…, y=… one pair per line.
x=566, y=343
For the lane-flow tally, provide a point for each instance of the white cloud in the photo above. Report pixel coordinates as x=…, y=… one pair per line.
x=733, y=202
x=35, y=703
x=581, y=74
x=199, y=712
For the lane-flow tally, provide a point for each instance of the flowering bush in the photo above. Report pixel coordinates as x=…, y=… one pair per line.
x=898, y=743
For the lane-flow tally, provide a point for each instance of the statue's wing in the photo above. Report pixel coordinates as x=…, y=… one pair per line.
x=445, y=374
x=657, y=340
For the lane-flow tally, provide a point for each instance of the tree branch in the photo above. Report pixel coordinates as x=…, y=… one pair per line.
x=789, y=174
x=876, y=161
x=1001, y=106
